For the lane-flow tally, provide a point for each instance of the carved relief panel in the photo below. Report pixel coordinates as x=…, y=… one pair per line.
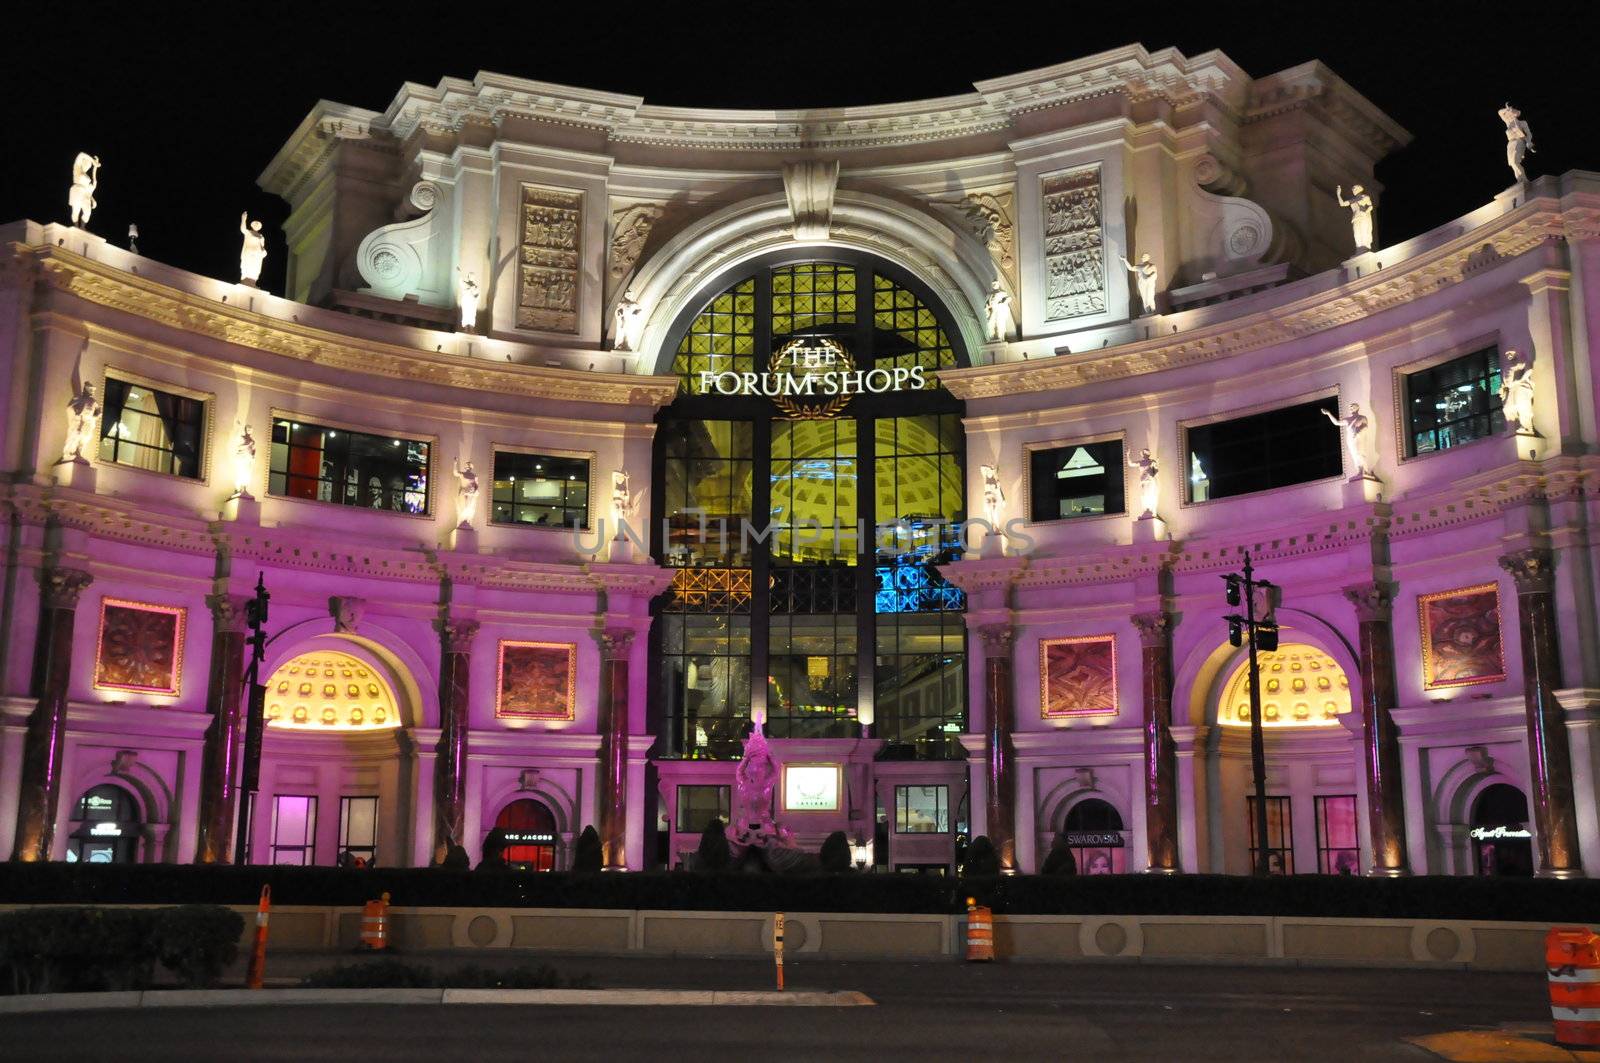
x=1074, y=244
x=547, y=259
x=140, y=647
x=1461, y=637
x=538, y=680
x=1078, y=676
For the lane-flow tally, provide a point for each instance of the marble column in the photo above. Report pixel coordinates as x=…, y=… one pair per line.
x=39, y=791
x=1374, y=605
x=450, y=763
x=225, y=702
x=615, y=645
x=1554, y=809
x=1000, y=712
x=1160, y=754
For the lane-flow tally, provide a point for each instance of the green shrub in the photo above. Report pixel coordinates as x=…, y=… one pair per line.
x=397, y=974
x=982, y=860
x=586, y=854
x=69, y=950
x=835, y=853
x=713, y=853
x=1059, y=861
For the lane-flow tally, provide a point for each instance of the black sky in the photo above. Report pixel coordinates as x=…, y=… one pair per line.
x=186, y=104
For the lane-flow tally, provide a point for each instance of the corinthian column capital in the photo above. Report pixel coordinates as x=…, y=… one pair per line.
x=227, y=611
x=1532, y=570
x=997, y=639
x=456, y=634
x=1155, y=627
x=1373, y=601
x=60, y=587
x=615, y=643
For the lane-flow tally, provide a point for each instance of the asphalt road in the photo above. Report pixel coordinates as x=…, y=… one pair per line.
x=924, y=1011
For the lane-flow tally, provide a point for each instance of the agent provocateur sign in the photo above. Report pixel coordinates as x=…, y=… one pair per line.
x=813, y=367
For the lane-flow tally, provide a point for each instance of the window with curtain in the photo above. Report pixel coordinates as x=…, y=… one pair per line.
x=145, y=428
x=349, y=468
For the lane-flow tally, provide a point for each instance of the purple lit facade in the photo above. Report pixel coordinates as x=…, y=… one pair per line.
x=442, y=663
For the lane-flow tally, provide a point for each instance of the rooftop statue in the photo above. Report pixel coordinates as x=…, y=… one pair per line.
x=997, y=308
x=85, y=179
x=1361, y=214
x=1519, y=141
x=1145, y=281
x=253, y=252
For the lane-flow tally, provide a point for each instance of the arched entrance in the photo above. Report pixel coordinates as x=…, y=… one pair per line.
x=1093, y=831
x=1502, y=844
x=530, y=832
x=106, y=827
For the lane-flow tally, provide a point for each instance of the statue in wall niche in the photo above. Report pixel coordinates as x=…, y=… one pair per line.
x=997, y=308
x=1516, y=394
x=1519, y=141
x=467, y=294
x=1144, y=279
x=85, y=179
x=1148, y=490
x=629, y=316
x=253, y=252
x=83, y=411
x=466, y=494
x=993, y=496
x=244, y=460
x=1361, y=214
x=1357, y=439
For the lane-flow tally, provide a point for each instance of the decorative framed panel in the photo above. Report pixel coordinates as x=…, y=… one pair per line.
x=538, y=680
x=140, y=647
x=1461, y=637
x=1074, y=244
x=1078, y=676
x=548, y=256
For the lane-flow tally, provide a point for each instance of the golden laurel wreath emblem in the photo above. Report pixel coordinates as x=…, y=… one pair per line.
x=784, y=357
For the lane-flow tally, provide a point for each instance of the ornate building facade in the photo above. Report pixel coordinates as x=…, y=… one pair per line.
x=930, y=428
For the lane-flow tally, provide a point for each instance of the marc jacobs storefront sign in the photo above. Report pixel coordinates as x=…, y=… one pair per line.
x=816, y=369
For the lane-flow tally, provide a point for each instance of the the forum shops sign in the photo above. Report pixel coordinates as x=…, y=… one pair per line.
x=813, y=378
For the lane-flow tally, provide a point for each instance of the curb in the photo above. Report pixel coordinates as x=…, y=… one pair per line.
x=235, y=998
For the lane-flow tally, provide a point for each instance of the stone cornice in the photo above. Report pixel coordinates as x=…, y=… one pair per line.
x=311, y=143
x=1166, y=75
x=106, y=286
x=1510, y=236
x=1349, y=110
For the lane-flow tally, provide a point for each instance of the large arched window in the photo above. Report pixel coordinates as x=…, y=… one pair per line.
x=809, y=478
x=1093, y=831
x=1501, y=840
x=530, y=832
x=107, y=827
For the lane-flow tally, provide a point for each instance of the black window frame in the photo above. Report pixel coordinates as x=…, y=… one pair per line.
x=1286, y=446
x=535, y=461
x=1285, y=839
x=308, y=846
x=723, y=802
x=191, y=420
x=1041, y=457
x=285, y=429
x=1327, y=853
x=370, y=851
x=1434, y=381
x=902, y=807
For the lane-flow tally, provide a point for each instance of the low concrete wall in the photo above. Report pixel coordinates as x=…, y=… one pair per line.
x=1170, y=939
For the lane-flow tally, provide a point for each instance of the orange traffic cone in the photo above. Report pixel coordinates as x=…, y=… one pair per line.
x=375, y=924
x=258, y=957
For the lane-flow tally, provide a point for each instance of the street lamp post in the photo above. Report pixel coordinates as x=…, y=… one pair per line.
x=255, y=614
x=1260, y=634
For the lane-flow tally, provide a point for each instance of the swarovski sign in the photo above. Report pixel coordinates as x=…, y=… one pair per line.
x=813, y=367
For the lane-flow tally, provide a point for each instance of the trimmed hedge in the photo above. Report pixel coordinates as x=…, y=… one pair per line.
x=64, y=950
x=1431, y=897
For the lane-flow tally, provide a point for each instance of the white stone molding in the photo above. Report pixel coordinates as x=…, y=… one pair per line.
x=990, y=216
x=411, y=257
x=1240, y=234
x=630, y=231
x=809, y=187
x=953, y=264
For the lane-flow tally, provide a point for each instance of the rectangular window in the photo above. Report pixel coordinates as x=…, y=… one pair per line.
x=1338, y=850
x=705, y=682
x=358, y=827
x=699, y=805
x=922, y=810
x=1453, y=403
x=1078, y=480
x=1280, y=836
x=1263, y=451
x=144, y=428
x=541, y=489
x=349, y=468
x=294, y=830
x=920, y=487
x=920, y=685
x=708, y=472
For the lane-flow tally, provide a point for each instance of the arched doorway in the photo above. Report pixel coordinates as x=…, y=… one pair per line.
x=1093, y=831
x=530, y=832
x=1501, y=842
x=107, y=827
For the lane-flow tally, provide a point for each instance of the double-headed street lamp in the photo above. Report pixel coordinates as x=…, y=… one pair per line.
x=1262, y=634
x=255, y=615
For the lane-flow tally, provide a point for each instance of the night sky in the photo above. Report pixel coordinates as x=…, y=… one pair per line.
x=185, y=105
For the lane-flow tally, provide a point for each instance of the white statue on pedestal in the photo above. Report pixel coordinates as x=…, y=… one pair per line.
x=629, y=316
x=244, y=461
x=1516, y=394
x=1149, y=492
x=467, y=295
x=621, y=498
x=1357, y=439
x=466, y=494
x=1361, y=214
x=82, y=413
x=1519, y=141
x=254, y=251
x=993, y=496
x=997, y=308
x=1145, y=281
x=85, y=179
